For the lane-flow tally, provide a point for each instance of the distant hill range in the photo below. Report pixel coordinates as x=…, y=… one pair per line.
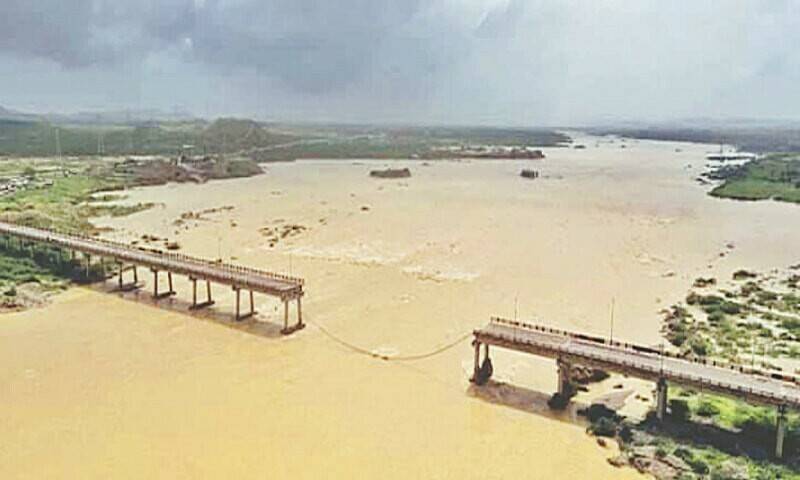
x=8, y=114
x=110, y=117
x=118, y=133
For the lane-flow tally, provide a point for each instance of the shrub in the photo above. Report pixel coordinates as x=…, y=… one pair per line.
x=707, y=409
x=699, y=346
x=716, y=316
x=731, y=308
x=698, y=466
x=604, y=427
x=678, y=338
x=743, y=275
x=679, y=409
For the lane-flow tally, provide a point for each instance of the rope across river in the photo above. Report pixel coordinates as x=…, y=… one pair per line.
x=392, y=358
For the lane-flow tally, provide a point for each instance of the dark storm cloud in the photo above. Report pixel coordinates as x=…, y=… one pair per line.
x=308, y=45
x=314, y=46
x=515, y=61
x=53, y=29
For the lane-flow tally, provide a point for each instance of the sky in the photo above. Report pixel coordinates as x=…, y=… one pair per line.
x=498, y=62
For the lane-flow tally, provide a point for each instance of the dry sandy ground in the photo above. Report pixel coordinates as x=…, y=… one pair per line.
x=99, y=385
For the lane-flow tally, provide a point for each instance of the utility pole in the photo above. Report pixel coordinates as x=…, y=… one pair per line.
x=101, y=144
x=612, y=320
x=58, y=144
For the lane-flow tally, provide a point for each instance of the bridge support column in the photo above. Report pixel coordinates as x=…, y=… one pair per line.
x=300, y=313
x=482, y=370
x=207, y=303
x=121, y=285
x=477, y=366
x=286, y=330
x=238, y=291
x=168, y=293
x=661, y=399
x=252, y=312
x=297, y=326
x=564, y=383
x=88, y=264
x=780, y=433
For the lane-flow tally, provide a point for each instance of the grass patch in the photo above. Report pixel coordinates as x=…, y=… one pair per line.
x=774, y=177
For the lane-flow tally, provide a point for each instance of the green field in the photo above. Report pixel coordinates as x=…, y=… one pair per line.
x=774, y=177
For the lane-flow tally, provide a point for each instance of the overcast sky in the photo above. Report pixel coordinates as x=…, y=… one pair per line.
x=509, y=62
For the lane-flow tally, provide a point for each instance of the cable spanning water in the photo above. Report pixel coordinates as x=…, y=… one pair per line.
x=392, y=358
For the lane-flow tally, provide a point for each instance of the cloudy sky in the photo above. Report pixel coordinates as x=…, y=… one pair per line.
x=509, y=62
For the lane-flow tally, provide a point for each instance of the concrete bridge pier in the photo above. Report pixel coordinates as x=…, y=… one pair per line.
x=483, y=369
x=564, y=382
x=300, y=324
x=297, y=326
x=121, y=285
x=661, y=398
x=207, y=303
x=252, y=312
x=168, y=293
x=477, y=367
x=780, y=433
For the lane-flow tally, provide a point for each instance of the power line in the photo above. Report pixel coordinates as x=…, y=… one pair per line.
x=391, y=358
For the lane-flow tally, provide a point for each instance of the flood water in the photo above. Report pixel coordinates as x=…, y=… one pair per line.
x=101, y=385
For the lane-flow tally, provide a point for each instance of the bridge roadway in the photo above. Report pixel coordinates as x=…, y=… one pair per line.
x=285, y=287
x=568, y=348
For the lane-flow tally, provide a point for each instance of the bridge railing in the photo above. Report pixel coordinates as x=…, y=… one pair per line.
x=49, y=235
x=675, y=375
x=776, y=375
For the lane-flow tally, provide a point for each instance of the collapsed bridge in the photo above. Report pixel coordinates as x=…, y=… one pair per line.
x=570, y=348
x=128, y=257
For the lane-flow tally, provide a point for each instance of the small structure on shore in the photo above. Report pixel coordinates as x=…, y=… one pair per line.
x=391, y=173
x=527, y=173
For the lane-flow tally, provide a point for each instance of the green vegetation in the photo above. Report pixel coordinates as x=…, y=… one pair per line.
x=259, y=141
x=64, y=205
x=750, y=320
x=65, y=194
x=773, y=177
x=39, y=138
x=742, y=325
x=746, y=139
x=395, y=143
x=48, y=269
x=704, y=436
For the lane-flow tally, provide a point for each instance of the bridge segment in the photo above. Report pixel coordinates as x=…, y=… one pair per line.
x=284, y=287
x=568, y=348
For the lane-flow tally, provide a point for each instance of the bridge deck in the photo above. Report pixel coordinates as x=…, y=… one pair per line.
x=771, y=388
x=285, y=287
